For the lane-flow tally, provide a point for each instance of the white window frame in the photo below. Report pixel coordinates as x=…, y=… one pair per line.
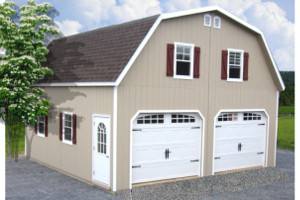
x=217, y=18
x=70, y=142
x=38, y=129
x=242, y=65
x=191, y=61
x=204, y=21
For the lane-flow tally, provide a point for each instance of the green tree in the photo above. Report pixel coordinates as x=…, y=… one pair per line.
x=23, y=33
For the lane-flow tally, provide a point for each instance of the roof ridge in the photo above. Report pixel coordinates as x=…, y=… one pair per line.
x=107, y=27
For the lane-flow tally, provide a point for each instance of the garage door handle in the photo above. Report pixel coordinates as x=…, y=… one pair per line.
x=217, y=158
x=196, y=160
x=262, y=124
x=259, y=153
x=137, y=129
x=136, y=166
x=196, y=127
x=218, y=126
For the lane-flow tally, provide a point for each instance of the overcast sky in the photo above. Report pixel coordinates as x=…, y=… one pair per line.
x=274, y=17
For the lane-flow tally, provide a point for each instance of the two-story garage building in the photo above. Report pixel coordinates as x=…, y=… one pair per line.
x=175, y=95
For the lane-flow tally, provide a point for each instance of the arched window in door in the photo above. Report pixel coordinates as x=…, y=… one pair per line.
x=101, y=138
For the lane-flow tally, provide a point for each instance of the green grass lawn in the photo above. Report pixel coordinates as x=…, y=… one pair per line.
x=21, y=139
x=286, y=110
x=286, y=128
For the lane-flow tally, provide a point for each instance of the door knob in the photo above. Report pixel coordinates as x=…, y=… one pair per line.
x=240, y=147
x=167, y=153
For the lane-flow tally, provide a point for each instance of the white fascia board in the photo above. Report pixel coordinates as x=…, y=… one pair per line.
x=191, y=12
x=76, y=84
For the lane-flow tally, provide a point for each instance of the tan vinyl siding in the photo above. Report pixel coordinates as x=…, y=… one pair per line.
x=76, y=160
x=146, y=86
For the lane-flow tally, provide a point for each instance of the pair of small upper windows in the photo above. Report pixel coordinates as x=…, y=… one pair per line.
x=208, y=21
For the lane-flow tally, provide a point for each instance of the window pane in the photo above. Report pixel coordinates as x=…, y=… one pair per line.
x=183, y=68
x=179, y=56
x=179, y=49
x=41, y=128
x=234, y=72
x=68, y=124
x=68, y=117
x=187, y=50
x=186, y=57
x=67, y=134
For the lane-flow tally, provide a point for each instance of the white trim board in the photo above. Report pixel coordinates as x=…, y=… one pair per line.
x=201, y=171
x=152, y=30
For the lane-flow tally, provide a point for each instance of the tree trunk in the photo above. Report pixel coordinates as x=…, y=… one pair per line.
x=16, y=130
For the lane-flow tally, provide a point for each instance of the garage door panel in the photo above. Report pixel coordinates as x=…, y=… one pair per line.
x=238, y=131
x=164, y=170
x=244, y=160
x=168, y=135
x=231, y=146
x=157, y=152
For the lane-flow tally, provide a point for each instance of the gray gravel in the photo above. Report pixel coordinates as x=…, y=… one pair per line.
x=29, y=180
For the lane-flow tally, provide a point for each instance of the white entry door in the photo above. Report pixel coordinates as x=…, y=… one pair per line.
x=165, y=146
x=240, y=140
x=101, y=149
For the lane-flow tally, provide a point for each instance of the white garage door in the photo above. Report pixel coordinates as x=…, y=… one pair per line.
x=166, y=146
x=240, y=140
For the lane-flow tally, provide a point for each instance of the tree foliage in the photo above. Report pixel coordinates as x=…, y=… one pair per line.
x=287, y=97
x=24, y=32
x=22, y=36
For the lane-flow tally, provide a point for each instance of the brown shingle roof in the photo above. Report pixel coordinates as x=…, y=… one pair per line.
x=96, y=56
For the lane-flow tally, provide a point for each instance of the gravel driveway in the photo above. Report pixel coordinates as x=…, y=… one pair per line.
x=29, y=180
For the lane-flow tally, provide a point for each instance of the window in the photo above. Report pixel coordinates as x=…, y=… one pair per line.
x=207, y=20
x=151, y=119
x=251, y=116
x=101, y=139
x=67, y=128
x=179, y=118
x=183, y=60
x=41, y=126
x=228, y=117
x=235, y=63
x=217, y=22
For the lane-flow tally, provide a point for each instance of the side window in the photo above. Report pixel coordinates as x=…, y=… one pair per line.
x=183, y=66
x=251, y=116
x=180, y=118
x=217, y=22
x=151, y=119
x=235, y=63
x=67, y=127
x=223, y=117
x=207, y=20
x=41, y=126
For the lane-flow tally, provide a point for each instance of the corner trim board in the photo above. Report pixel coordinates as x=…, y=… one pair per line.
x=114, y=138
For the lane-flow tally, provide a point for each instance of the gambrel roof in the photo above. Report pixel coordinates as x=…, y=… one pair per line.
x=102, y=57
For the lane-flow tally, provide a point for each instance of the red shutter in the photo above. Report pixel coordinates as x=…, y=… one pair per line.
x=224, y=65
x=46, y=126
x=74, y=138
x=245, y=70
x=196, y=62
x=170, y=59
x=60, y=125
